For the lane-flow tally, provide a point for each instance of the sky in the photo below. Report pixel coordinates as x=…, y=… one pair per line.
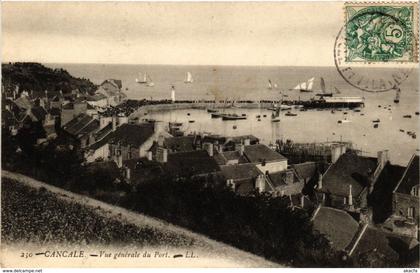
x=201, y=33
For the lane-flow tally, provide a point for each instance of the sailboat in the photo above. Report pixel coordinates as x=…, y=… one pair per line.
x=397, y=95
x=270, y=86
x=337, y=91
x=188, y=78
x=149, y=82
x=305, y=86
x=322, y=85
x=142, y=78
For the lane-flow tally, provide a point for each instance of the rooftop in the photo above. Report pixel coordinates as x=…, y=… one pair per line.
x=410, y=177
x=190, y=163
x=132, y=134
x=259, y=152
x=240, y=172
x=81, y=125
x=336, y=225
x=180, y=144
x=349, y=169
x=223, y=158
x=305, y=170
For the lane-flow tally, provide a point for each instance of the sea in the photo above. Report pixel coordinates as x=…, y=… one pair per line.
x=251, y=83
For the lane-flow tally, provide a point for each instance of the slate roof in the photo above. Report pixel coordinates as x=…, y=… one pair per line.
x=190, y=163
x=383, y=242
x=93, y=126
x=244, y=176
x=39, y=113
x=410, y=177
x=223, y=158
x=381, y=197
x=305, y=170
x=180, y=144
x=259, y=152
x=278, y=179
x=142, y=169
x=132, y=134
x=336, y=225
x=349, y=169
x=75, y=125
x=240, y=172
x=103, y=132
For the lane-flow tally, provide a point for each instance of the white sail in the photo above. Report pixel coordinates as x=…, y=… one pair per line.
x=188, y=78
x=275, y=85
x=300, y=86
x=310, y=84
x=142, y=78
x=297, y=87
x=270, y=86
x=149, y=81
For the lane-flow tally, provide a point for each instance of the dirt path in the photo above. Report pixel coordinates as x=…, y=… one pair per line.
x=213, y=253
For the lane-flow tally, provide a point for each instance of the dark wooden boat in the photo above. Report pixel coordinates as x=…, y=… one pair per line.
x=289, y=114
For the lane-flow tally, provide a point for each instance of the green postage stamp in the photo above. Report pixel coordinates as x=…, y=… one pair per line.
x=381, y=32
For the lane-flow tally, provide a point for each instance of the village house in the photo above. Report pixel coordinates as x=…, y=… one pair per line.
x=71, y=110
x=97, y=100
x=81, y=130
x=357, y=238
x=348, y=182
x=405, y=201
x=189, y=164
x=111, y=89
x=130, y=141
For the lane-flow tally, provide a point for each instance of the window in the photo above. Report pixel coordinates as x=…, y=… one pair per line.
x=410, y=212
x=415, y=191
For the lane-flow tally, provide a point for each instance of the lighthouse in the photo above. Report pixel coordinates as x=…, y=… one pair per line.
x=173, y=94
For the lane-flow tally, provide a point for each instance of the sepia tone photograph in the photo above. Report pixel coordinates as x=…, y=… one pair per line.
x=210, y=134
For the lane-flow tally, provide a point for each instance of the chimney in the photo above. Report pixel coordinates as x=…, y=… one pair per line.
x=319, y=181
x=260, y=183
x=149, y=155
x=241, y=149
x=383, y=158
x=350, y=197
x=209, y=148
x=162, y=155
x=161, y=140
x=114, y=123
x=127, y=173
x=247, y=142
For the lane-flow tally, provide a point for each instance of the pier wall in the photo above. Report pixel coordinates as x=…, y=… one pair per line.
x=197, y=105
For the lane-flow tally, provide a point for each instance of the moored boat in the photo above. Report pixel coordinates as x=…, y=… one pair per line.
x=232, y=117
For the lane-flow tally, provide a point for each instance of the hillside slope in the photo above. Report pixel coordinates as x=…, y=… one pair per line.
x=38, y=78
x=39, y=216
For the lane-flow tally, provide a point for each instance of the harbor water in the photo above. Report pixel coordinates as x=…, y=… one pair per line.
x=251, y=83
